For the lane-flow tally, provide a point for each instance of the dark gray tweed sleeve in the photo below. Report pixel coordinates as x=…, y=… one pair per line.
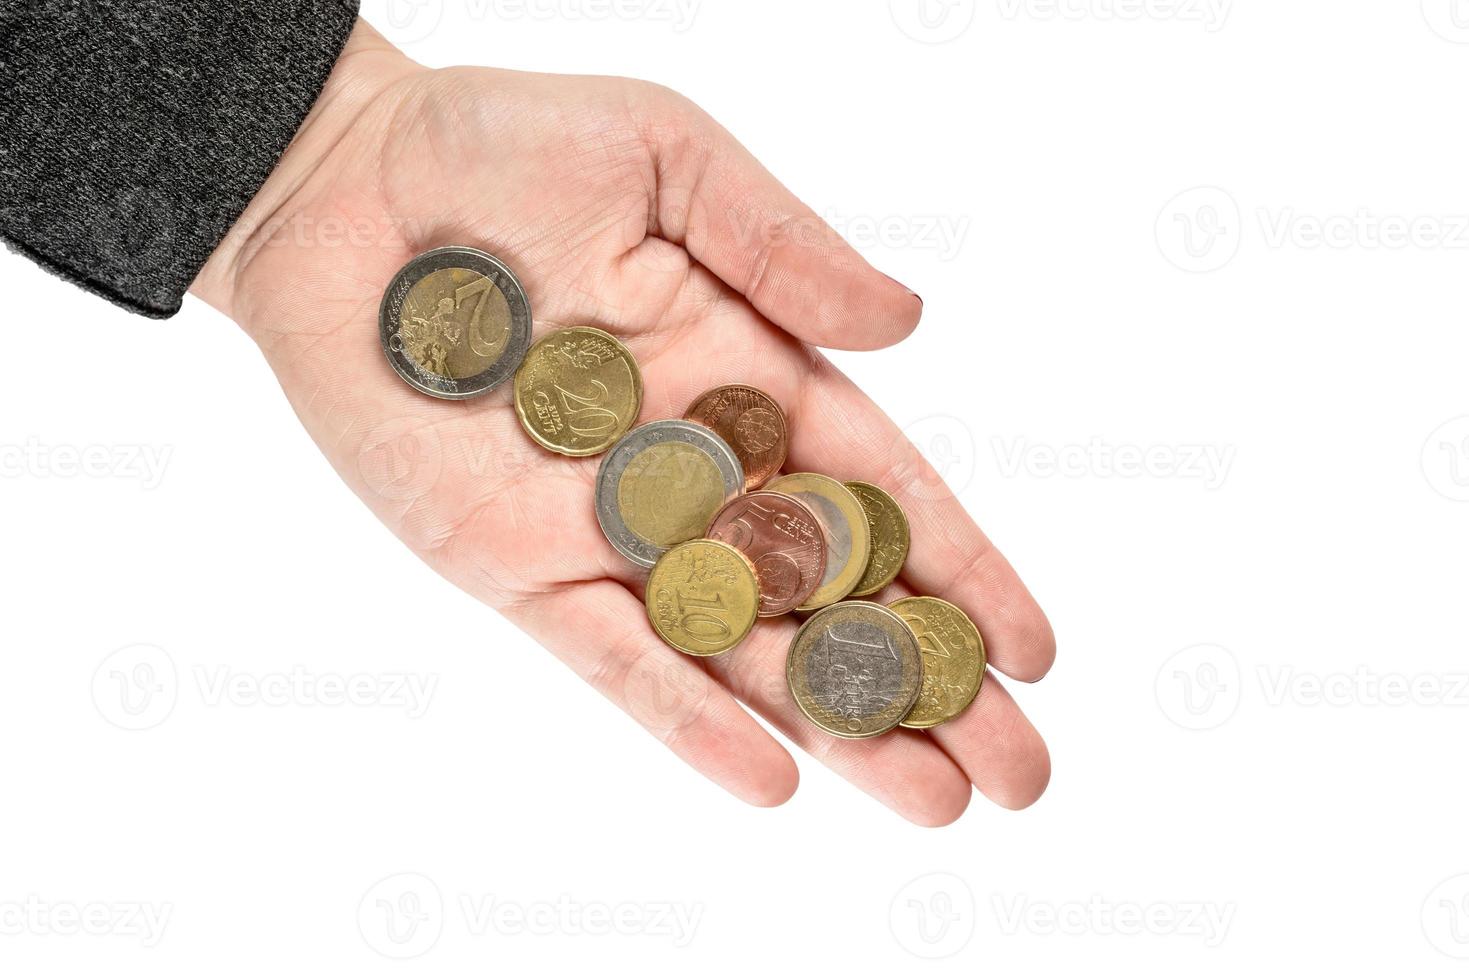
x=134, y=132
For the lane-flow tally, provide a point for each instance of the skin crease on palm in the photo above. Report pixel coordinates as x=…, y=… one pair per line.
x=623, y=206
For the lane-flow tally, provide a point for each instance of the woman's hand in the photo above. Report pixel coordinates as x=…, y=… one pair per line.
x=620, y=205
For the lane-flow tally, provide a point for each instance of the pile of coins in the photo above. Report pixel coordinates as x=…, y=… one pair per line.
x=701, y=502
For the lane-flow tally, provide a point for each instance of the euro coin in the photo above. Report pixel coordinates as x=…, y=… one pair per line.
x=855, y=669
x=660, y=485
x=702, y=597
x=751, y=422
x=455, y=323
x=578, y=391
x=888, y=526
x=848, y=542
x=953, y=659
x=781, y=536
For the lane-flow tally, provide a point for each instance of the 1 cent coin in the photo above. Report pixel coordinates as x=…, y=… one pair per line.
x=455, y=322
x=782, y=537
x=751, y=422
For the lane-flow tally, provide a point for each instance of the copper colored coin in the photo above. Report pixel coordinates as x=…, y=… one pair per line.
x=751, y=422
x=781, y=536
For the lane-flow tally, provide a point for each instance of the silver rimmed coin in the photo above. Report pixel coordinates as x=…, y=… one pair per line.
x=661, y=484
x=855, y=669
x=455, y=322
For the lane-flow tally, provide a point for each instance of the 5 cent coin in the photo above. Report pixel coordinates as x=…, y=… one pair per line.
x=702, y=597
x=455, y=322
x=855, y=669
x=751, y=422
x=782, y=537
x=661, y=484
x=953, y=658
x=848, y=541
x=578, y=392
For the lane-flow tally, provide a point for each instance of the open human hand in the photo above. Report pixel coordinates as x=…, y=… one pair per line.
x=619, y=205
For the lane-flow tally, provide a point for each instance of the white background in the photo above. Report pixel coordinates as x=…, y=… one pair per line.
x=1259, y=712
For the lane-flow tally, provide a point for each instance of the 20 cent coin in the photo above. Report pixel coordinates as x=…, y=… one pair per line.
x=578, y=392
x=953, y=658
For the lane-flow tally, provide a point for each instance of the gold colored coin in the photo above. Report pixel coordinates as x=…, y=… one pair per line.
x=953, y=659
x=889, y=528
x=848, y=541
x=578, y=391
x=668, y=493
x=703, y=597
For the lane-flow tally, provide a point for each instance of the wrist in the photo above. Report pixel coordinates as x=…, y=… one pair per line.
x=367, y=67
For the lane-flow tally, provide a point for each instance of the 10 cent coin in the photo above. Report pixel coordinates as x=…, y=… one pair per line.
x=455, y=322
x=702, y=597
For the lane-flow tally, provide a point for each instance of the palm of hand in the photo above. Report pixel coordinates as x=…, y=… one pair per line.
x=620, y=206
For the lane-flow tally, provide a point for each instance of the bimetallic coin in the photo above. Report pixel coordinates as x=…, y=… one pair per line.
x=455, y=322
x=953, y=659
x=855, y=669
x=702, y=597
x=751, y=422
x=889, y=528
x=784, y=540
x=578, y=392
x=660, y=485
x=848, y=542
